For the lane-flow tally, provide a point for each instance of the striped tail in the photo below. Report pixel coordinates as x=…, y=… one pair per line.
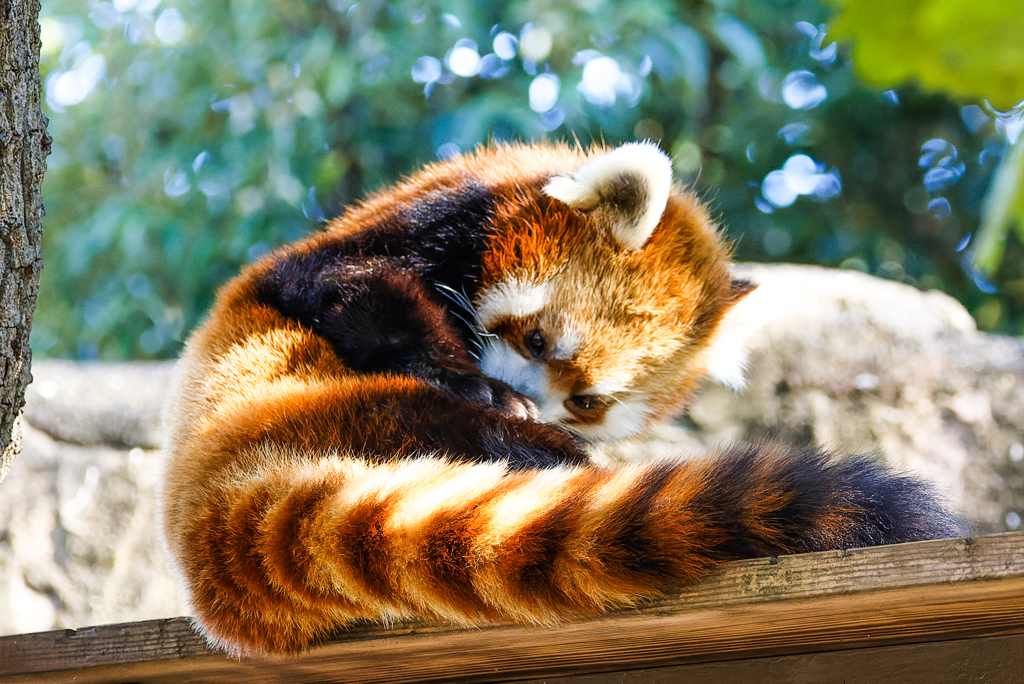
x=282, y=556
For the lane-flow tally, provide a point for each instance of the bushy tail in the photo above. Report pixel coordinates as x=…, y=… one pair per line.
x=280, y=557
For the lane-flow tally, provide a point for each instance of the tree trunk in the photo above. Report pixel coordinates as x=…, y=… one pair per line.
x=24, y=145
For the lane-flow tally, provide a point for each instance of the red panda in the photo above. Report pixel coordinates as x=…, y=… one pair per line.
x=391, y=418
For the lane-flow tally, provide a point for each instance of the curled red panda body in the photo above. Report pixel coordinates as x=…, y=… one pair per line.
x=390, y=419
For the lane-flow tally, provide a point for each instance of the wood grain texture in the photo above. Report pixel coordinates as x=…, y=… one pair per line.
x=985, y=660
x=934, y=591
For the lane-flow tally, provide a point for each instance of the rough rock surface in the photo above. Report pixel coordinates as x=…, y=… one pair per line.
x=113, y=404
x=867, y=365
x=841, y=359
x=78, y=544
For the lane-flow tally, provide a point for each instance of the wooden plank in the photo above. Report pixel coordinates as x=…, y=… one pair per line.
x=986, y=660
x=911, y=593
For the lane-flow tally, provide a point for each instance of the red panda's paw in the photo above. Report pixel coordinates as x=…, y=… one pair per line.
x=484, y=391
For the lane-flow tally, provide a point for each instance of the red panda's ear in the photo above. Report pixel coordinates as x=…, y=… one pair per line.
x=626, y=189
x=726, y=355
x=740, y=288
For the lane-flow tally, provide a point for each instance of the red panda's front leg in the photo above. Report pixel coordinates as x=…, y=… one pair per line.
x=383, y=418
x=381, y=318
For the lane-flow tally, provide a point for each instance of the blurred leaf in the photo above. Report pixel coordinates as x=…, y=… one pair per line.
x=973, y=50
x=1004, y=204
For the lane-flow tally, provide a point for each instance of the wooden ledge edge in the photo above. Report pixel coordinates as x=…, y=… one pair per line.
x=908, y=593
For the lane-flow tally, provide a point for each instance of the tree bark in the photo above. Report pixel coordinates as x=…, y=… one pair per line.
x=24, y=145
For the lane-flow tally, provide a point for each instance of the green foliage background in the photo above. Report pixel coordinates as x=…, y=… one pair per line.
x=200, y=136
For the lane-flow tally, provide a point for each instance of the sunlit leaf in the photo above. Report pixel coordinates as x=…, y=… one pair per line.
x=973, y=50
x=1003, y=204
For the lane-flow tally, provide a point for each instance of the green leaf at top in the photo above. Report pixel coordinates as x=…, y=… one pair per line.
x=970, y=49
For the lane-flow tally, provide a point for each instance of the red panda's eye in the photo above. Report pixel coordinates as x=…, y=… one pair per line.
x=535, y=342
x=587, y=405
x=583, y=401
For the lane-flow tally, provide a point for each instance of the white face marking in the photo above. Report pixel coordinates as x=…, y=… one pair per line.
x=726, y=359
x=610, y=385
x=552, y=408
x=511, y=299
x=624, y=418
x=566, y=345
x=501, y=362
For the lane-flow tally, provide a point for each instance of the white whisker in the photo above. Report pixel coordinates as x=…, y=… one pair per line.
x=471, y=320
x=622, y=403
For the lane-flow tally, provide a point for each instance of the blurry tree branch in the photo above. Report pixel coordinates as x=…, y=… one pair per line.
x=24, y=145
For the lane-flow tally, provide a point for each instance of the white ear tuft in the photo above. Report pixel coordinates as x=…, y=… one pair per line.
x=628, y=186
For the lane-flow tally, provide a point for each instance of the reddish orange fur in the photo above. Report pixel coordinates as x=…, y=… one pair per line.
x=289, y=514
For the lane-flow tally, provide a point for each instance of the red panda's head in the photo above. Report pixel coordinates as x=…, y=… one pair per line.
x=603, y=292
